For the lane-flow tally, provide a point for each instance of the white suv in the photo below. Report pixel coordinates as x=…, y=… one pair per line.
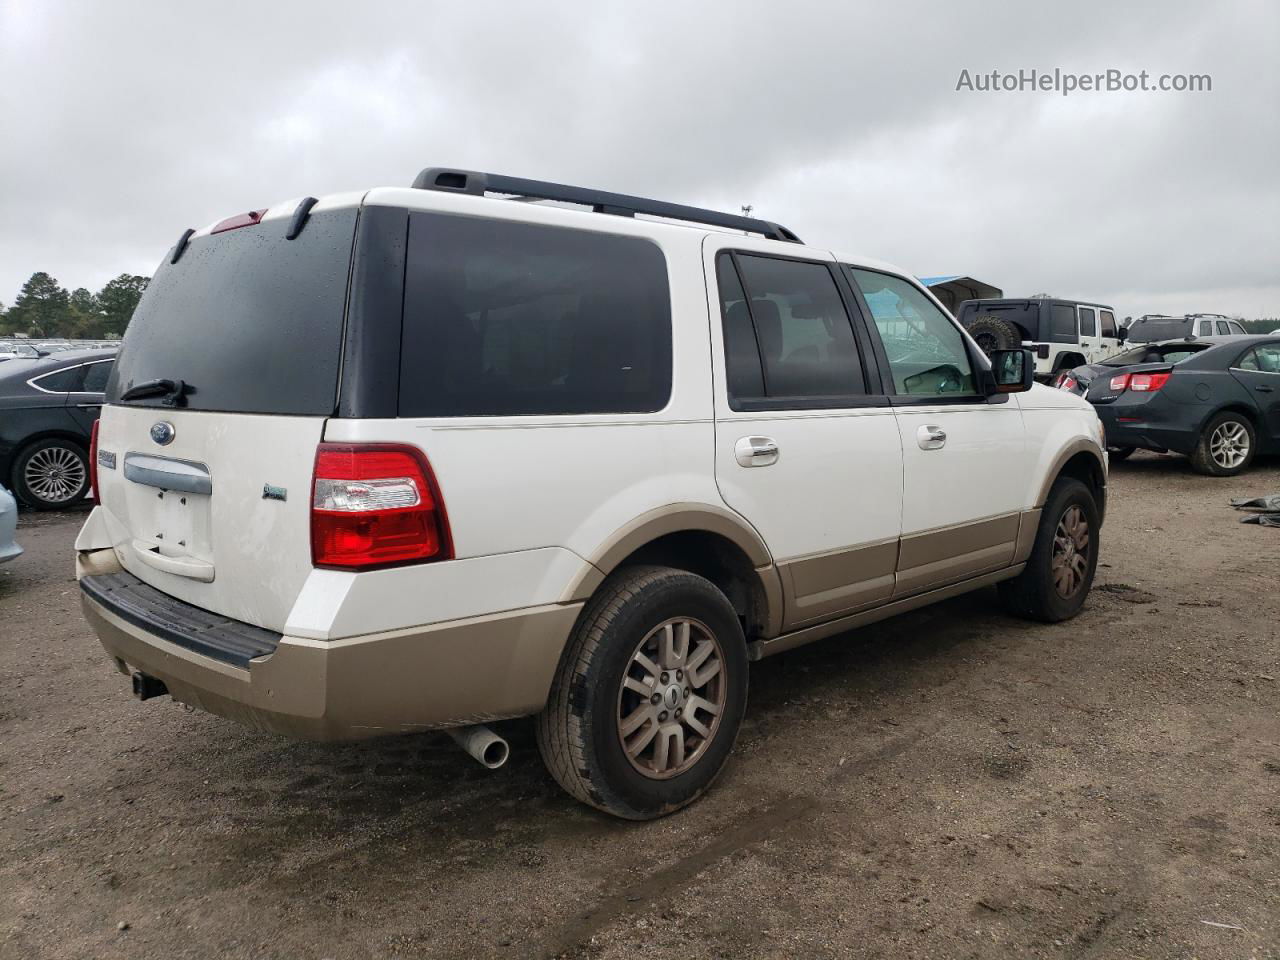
x=424, y=458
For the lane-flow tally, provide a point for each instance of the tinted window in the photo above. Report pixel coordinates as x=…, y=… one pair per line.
x=1235, y=327
x=504, y=318
x=1206, y=328
x=741, y=351
x=1108, y=320
x=250, y=321
x=801, y=327
x=1223, y=329
x=62, y=381
x=1062, y=322
x=1160, y=328
x=1088, y=323
x=926, y=350
x=95, y=378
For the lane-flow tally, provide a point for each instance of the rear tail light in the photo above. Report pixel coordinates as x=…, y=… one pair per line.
x=376, y=505
x=1148, y=382
x=1139, y=382
x=93, y=462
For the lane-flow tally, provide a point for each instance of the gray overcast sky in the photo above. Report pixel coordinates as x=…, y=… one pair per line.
x=123, y=123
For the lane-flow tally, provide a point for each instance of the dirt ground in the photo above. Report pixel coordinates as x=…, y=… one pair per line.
x=951, y=783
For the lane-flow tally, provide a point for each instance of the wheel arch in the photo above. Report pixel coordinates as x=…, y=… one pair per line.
x=1081, y=460
x=701, y=539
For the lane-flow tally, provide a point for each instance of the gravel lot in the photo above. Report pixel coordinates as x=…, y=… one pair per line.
x=951, y=783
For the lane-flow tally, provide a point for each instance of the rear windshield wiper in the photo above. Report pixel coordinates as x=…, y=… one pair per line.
x=173, y=392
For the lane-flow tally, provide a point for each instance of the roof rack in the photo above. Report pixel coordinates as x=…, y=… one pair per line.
x=449, y=180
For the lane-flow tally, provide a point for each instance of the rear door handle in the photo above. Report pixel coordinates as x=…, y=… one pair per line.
x=756, y=451
x=931, y=438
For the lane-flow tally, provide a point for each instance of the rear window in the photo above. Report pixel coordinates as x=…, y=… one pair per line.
x=505, y=318
x=1158, y=329
x=250, y=321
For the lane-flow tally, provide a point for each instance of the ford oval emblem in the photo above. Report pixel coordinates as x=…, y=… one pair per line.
x=162, y=432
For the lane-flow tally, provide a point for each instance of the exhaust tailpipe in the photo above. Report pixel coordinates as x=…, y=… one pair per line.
x=145, y=687
x=482, y=743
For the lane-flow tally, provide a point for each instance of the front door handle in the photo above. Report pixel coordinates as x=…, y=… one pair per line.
x=1262, y=389
x=931, y=438
x=756, y=451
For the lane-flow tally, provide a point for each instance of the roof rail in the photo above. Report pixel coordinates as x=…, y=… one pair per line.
x=449, y=180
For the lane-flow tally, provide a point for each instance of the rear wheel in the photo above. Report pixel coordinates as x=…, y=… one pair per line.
x=993, y=333
x=649, y=695
x=51, y=474
x=1059, y=573
x=1226, y=446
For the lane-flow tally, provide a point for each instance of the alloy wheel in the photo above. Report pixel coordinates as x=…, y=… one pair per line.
x=671, y=698
x=54, y=474
x=1071, y=545
x=1229, y=444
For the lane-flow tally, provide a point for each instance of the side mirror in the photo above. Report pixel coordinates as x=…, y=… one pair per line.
x=1013, y=371
x=1122, y=334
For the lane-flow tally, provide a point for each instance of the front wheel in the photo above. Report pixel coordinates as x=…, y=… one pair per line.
x=51, y=474
x=649, y=695
x=1226, y=446
x=1059, y=572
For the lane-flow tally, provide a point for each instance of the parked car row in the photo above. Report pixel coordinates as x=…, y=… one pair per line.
x=1216, y=401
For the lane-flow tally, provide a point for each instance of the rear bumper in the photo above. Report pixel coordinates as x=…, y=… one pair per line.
x=449, y=674
x=1141, y=428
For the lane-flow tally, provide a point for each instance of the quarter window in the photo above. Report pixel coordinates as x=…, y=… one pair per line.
x=1062, y=323
x=61, y=381
x=926, y=351
x=1088, y=323
x=505, y=318
x=1206, y=328
x=787, y=333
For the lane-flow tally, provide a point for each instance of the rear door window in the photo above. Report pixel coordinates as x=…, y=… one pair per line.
x=793, y=319
x=96, y=375
x=505, y=319
x=1223, y=329
x=1088, y=322
x=250, y=321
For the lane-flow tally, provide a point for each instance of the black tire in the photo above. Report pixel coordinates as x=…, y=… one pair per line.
x=1034, y=593
x=1119, y=453
x=1203, y=457
x=67, y=459
x=578, y=732
x=993, y=333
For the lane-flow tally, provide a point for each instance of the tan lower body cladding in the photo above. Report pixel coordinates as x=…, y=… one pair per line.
x=822, y=587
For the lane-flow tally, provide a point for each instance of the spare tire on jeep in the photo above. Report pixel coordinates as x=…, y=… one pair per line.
x=993, y=333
